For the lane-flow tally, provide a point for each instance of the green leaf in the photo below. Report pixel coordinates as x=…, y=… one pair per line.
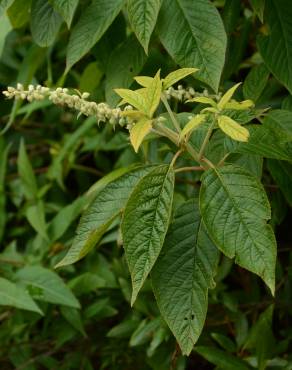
x=93, y=23
x=193, y=33
x=5, y=28
x=66, y=8
x=280, y=121
x=26, y=173
x=176, y=76
x=232, y=128
x=221, y=359
x=139, y=131
x=4, y=5
x=203, y=100
x=19, y=13
x=107, y=205
x=153, y=94
x=143, y=80
x=3, y=168
x=194, y=123
x=276, y=47
x=72, y=315
x=136, y=99
x=144, y=332
x=15, y=296
x=87, y=83
x=36, y=217
x=227, y=96
x=235, y=210
x=45, y=285
x=145, y=223
x=143, y=16
x=45, y=22
x=182, y=275
x=258, y=7
x=281, y=172
x=125, y=62
x=255, y=82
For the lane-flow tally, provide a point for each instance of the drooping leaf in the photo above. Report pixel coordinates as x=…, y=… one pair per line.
x=194, y=123
x=193, y=33
x=125, y=62
x=16, y=296
x=93, y=23
x=255, y=82
x=45, y=22
x=66, y=8
x=221, y=359
x=183, y=273
x=45, y=285
x=233, y=129
x=143, y=16
x=145, y=223
x=276, y=47
x=106, y=206
x=139, y=131
x=177, y=75
x=235, y=210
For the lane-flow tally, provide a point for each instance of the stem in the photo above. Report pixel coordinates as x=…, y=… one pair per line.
x=177, y=154
x=206, y=140
x=170, y=134
x=221, y=162
x=170, y=112
x=192, y=168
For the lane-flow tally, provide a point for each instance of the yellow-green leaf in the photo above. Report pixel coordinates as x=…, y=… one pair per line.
x=134, y=98
x=176, y=76
x=233, y=129
x=227, y=96
x=139, y=131
x=245, y=104
x=153, y=94
x=133, y=114
x=203, y=100
x=195, y=122
x=144, y=81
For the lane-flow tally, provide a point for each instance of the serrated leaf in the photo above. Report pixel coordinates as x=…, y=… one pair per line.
x=145, y=223
x=235, y=210
x=194, y=123
x=134, y=98
x=276, y=47
x=16, y=296
x=143, y=80
x=125, y=62
x=45, y=22
x=280, y=122
x=243, y=105
x=45, y=285
x=66, y=8
x=183, y=273
x=255, y=82
x=177, y=75
x=153, y=94
x=107, y=205
x=93, y=23
x=143, y=16
x=193, y=34
x=203, y=100
x=227, y=96
x=139, y=131
x=233, y=129
x=221, y=359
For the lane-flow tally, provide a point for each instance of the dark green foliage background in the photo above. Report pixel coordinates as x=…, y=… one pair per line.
x=49, y=158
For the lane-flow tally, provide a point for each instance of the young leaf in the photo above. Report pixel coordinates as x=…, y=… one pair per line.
x=108, y=204
x=45, y=285
x=45, y=22
x=66, y=8
x=143, y=80
x=194, y=123
x=134, y=98
x=193, y=33
x=235, y=210
x=276, y=47
x=227, y=96
x=93, y=23
x=243, y=105
x=176, y=76
x=139, y=131
x=203, y=100
x=16, y=296
x=143, y=16
x=153, y=94
x=233, y=129
x=145, y=223
x=183, y=273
